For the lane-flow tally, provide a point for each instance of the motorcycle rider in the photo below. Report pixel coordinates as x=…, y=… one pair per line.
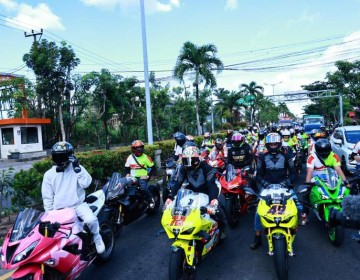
x=259, y=145
x=219, y=151
x=240, y=155
x=140, y=166
x=323, y=131
x=273, y=167
x=64, y=186
x=201, y=178
x=312, y=140
x=180, y=140
x=317, y=162
x=207, y=143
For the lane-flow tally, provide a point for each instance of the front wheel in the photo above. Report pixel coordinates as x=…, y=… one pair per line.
x=281, y=258
x=108, y=236
x=178, y=268
x=232, y=211
x=336, y=235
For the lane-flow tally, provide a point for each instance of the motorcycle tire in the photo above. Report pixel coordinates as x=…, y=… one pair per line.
x=336, y=235
x=108, y=236
x=281, y=258
x=232, y=211
x=178, y=268
x=156, y=195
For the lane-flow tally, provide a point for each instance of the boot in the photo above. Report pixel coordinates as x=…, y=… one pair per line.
x=256, y=243
x=99, y=244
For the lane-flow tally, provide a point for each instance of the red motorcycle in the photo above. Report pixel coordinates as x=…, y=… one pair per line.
x=216, y=161
x=237, y=201
x=55, y=244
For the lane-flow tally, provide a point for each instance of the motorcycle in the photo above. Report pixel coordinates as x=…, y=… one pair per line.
x=237, y=201
x=55, y=244
x=303, y=149
x=279, y=218
x=125, y=201
x=195, y=232
x=326, y=194
x=170, y=166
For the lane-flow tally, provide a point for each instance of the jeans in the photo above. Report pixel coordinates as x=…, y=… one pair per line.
x=144, y=188
x=257, y=223
x=84, y=212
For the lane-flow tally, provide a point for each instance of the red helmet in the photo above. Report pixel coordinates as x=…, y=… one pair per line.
x=137, y=148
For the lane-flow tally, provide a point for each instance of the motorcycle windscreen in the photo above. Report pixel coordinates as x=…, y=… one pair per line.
x=230, y=172
x=25, y=221
x=330, y=178
x=115, y=185
x=184, y=199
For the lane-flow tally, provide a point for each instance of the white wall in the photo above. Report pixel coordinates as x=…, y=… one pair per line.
x=22, y=148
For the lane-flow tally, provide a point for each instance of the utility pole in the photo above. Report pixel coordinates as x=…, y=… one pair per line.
x=34, y=34
x=146, y=73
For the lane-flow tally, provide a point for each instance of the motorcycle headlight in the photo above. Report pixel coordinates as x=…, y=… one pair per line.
x=25, y=253
x=176, y=231
x=188, y=231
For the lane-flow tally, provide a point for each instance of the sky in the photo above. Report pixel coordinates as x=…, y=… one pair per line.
x=279, y=44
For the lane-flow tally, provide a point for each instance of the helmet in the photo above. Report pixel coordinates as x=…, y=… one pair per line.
x=179, y=138
x=60, y=153
x=237, y=139
x=301, y=129
x=322, y=126
x=219, y=143
x=137, y=148
x=323, y=148
x=188, y=144
x=189, y=138
x=207, y=135
x=313, y=132
x=273, y=143
x=242, y=131
x=190, y=157
x=229, y=132
x=255, y=128
x=318, y=135
x=296, y=128
x=292, y=131
x=285, y=133
x=262, y=134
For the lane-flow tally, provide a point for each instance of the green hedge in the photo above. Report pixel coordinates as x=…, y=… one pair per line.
x=99, y=163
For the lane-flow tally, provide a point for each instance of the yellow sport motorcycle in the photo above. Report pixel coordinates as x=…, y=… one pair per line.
x=196, y=233
x=279, y=219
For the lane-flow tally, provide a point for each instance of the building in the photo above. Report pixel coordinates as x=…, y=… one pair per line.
x=20, y=137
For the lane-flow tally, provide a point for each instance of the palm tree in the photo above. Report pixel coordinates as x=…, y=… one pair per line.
x=255, y=90
x=227, y=104
x=199, y=62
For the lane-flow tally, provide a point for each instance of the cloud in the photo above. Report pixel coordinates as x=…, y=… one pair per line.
x=8, y=4
x=304, y=17
x=37, y=17
x=151, y=6
x=231, y=5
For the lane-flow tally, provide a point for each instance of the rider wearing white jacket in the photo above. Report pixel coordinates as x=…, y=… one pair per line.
x=63, y=187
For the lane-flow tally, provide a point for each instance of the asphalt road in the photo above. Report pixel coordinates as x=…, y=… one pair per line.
x=141, y=253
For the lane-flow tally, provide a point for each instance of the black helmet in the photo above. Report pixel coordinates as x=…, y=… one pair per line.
x=271, y=140
x=262, y=134
x=61, y=152
x=219, y=143
x=180, y=138
x=323, y=148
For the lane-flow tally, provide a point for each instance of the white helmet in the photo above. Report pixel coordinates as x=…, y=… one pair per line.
x=285, y=132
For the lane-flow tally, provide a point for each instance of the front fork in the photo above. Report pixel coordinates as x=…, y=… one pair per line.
x=189, y=251
x=280, y=233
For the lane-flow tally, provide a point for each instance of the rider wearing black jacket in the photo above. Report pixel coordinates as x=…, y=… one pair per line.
x=201, y=178
x=240, y=154
x=273, y=167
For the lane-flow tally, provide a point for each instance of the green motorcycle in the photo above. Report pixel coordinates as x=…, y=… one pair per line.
x=326, y=194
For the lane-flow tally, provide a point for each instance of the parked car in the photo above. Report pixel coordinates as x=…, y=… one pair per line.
x=342, y=142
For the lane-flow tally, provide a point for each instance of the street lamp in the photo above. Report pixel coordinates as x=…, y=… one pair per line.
x=273, y=85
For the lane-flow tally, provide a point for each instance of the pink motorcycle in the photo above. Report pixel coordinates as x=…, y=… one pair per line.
x=55, y=244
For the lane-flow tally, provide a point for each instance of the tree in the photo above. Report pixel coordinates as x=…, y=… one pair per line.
x=227, y=105
x=52, y=66
x=6, y=176
x=250, y=90
x=198, y=62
